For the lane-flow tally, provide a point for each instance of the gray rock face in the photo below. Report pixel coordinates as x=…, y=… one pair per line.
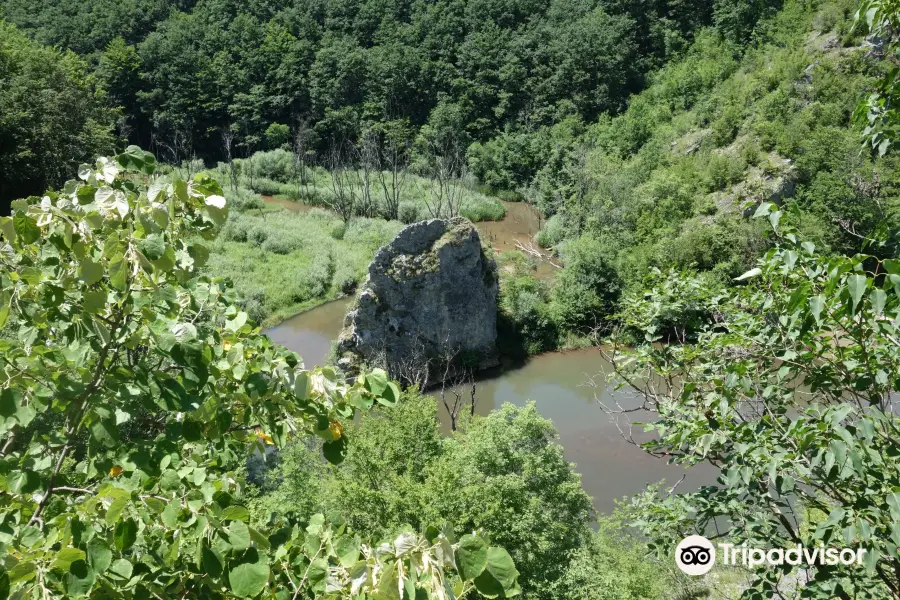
x=429, y=294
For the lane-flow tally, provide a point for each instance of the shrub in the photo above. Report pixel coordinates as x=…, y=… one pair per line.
x=723, y=170
x=280, y=241
x=613, y=566
x=235, y=229
x=486, y=209
x=263, y=185
x=504, y=474
x=278, y=135
x=588, y=287
x=553, y=231
x=409, y=212
x=243, y=199
x=257, y=235
x=274, y=164
x=524, y=302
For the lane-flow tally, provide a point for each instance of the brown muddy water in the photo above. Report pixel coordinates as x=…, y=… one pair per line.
x=611, y=468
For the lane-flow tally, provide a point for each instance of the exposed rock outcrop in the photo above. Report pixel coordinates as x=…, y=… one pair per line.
x=431, y=293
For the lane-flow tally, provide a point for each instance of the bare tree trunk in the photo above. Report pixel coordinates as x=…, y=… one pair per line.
x=453, y=382
x=446, y=190
x=456, y=190
x=367, y=156
x=392, y=172
x=228, y=142
x=301, y=147
x=343, y=183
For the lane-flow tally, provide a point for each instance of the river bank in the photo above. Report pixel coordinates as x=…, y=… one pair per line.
x=566, y=386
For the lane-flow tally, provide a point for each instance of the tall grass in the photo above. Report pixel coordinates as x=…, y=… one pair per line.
x=282, y=263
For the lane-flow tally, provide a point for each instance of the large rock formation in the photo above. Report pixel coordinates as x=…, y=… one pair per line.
x=431, y=293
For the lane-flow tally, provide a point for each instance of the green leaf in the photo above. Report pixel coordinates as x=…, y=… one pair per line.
x=22, y=571
x=115, y=509
x=125, y=534
x=376, y=382
x=471, y=557
x=65, y=557
x=166, y=262
x=500, y=576
x=23, y=482
x=335, y=451
x=135, y=159
x=26, y=228
x=181, y=190
x=391, y=394
x=763, y=209
x=8, y=403
x=121, y=569
x=199, y=253
x=118, y=271
x=105, y=431
x=347, y=549
x=153, y=247
x=751, y=273
x=171, y=514
x=248, y=579
x=4, y=584
x=211, y=561
x=857, y=285
x=80, y=579
x=878, y=298
x=238, y=535
x=237, y=322
x=85, y=194
x=388, y=584
x=90, y=272
x=94, y=301
x=816, y=305
x=236, y=512
x=99, y=555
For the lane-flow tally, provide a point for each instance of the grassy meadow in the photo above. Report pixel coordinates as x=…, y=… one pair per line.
x=283, y=262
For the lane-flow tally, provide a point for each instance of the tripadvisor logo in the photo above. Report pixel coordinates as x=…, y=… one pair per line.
x=696, y=555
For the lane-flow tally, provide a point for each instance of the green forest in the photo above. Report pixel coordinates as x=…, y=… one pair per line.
x=716, y=192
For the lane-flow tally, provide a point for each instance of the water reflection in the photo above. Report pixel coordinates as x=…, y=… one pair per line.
x=610, y=466
x=310, y=333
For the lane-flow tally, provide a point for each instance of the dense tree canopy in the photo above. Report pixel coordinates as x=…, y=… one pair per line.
x=53, y=116
x=183, y=71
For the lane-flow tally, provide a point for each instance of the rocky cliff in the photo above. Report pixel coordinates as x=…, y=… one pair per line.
x=430, y=294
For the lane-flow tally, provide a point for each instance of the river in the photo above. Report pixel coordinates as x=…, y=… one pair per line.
x=611, y=468
x=558, y=382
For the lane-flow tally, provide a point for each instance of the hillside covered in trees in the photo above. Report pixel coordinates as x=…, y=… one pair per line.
x=183, y=72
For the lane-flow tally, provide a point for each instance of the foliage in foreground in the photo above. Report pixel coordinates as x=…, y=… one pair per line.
x=790, y=392
x=133, y=391
x=502, y=474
